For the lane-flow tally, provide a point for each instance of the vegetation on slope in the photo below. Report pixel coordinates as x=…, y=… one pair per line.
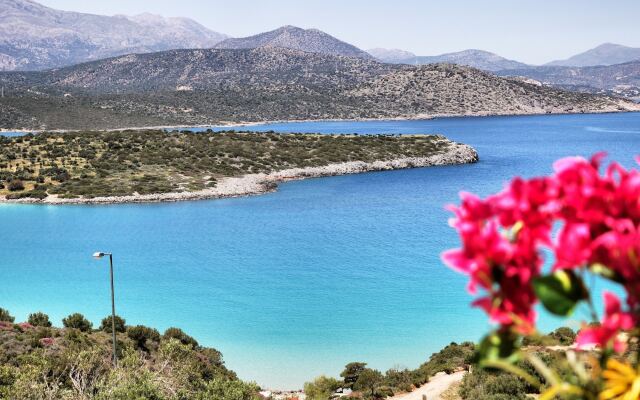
x=478, y=384
x=39, y=362
x=93, y=164
x=200, y=87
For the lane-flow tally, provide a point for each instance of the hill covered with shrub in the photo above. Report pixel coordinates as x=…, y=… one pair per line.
x=74, y=362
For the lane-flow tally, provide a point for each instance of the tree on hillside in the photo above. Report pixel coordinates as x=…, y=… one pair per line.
x=5, y=316
x=39, y=319
x=119, y=323
x=368, y=381
x=351, y=373
x=177, y=333
x=142, y=335
x=77, y=321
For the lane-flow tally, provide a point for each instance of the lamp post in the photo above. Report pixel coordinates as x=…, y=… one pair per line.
x=98, y=255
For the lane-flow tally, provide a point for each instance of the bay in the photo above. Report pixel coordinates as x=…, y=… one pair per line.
x=297, y=283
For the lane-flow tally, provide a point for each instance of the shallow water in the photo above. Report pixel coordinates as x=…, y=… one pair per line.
x=294, y=284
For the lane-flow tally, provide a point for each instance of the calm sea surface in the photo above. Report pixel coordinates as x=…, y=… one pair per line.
x=297, y=283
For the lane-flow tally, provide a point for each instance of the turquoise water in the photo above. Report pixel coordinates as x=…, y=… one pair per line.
x=297, y=283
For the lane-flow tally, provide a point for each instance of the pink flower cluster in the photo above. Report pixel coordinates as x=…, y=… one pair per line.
x=502, y=237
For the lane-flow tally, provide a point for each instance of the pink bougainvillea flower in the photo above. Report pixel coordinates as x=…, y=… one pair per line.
x=573, y=247
x=606, y=334
x=501, y=265
x=502, y=237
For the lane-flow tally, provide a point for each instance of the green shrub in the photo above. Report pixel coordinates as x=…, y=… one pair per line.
x=564, y=335
x=177, y=333
x=322, y=388
x=491, y=385
x=77, y=321
x=15, y=185
x=5, y=316
x=220, y=389
x=105, y=325
x=39, y=319
x=454, y=356
x=141, y=334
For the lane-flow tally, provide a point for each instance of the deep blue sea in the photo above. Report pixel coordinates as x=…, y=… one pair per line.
x=297, y=283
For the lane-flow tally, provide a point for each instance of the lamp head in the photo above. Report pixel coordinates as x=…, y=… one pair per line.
x=98, y=254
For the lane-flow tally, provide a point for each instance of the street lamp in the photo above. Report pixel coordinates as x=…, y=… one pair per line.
x=99, y=255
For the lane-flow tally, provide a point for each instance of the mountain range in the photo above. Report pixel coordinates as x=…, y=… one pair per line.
x=480, y=59
x=34, y=37
x=212, y=86
x=605, y=54
x=618, y=79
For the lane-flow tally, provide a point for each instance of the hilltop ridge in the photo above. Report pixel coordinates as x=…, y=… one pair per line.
x=292, y=37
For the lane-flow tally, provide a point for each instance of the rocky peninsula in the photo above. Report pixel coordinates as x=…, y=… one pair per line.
x=154, y=166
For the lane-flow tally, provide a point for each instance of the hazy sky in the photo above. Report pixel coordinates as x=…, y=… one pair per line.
x=526, y=30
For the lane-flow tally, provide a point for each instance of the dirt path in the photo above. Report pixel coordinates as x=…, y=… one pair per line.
x=437, y=384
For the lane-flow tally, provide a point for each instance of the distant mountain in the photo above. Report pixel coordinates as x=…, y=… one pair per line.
x=35, y=37
x=605, y=54
x=292, y=37
x=209, y=86
x=619, y=79
x=480, y=59
x=394, y=56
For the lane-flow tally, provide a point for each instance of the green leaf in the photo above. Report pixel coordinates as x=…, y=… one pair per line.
x=498, y=346
x=560, y=292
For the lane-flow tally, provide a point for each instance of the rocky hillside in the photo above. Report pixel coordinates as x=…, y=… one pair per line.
x=201, y=87
x=188, y=70
x=445, y=89
x=291, y=37
x=620, y=79
x=605, y=54
x=35, y=37
x=480, y=59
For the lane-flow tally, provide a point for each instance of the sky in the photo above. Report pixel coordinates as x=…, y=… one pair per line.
x=529, y=31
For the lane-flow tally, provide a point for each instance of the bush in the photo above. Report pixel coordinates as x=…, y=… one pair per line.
x=15, y=185
x=119, y=323
x=489, y=385
x=219, y=389
x=77, y=321
x=5, y=316
x=140, y=334
x=454, y=356
x=39, y=319
x=177, y=333
x=322, y=388
x=566, y=336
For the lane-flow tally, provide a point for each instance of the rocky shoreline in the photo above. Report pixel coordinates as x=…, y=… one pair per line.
x=410, y=117
x=254, y=184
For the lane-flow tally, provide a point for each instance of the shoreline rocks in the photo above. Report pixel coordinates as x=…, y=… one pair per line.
x=255, y=184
